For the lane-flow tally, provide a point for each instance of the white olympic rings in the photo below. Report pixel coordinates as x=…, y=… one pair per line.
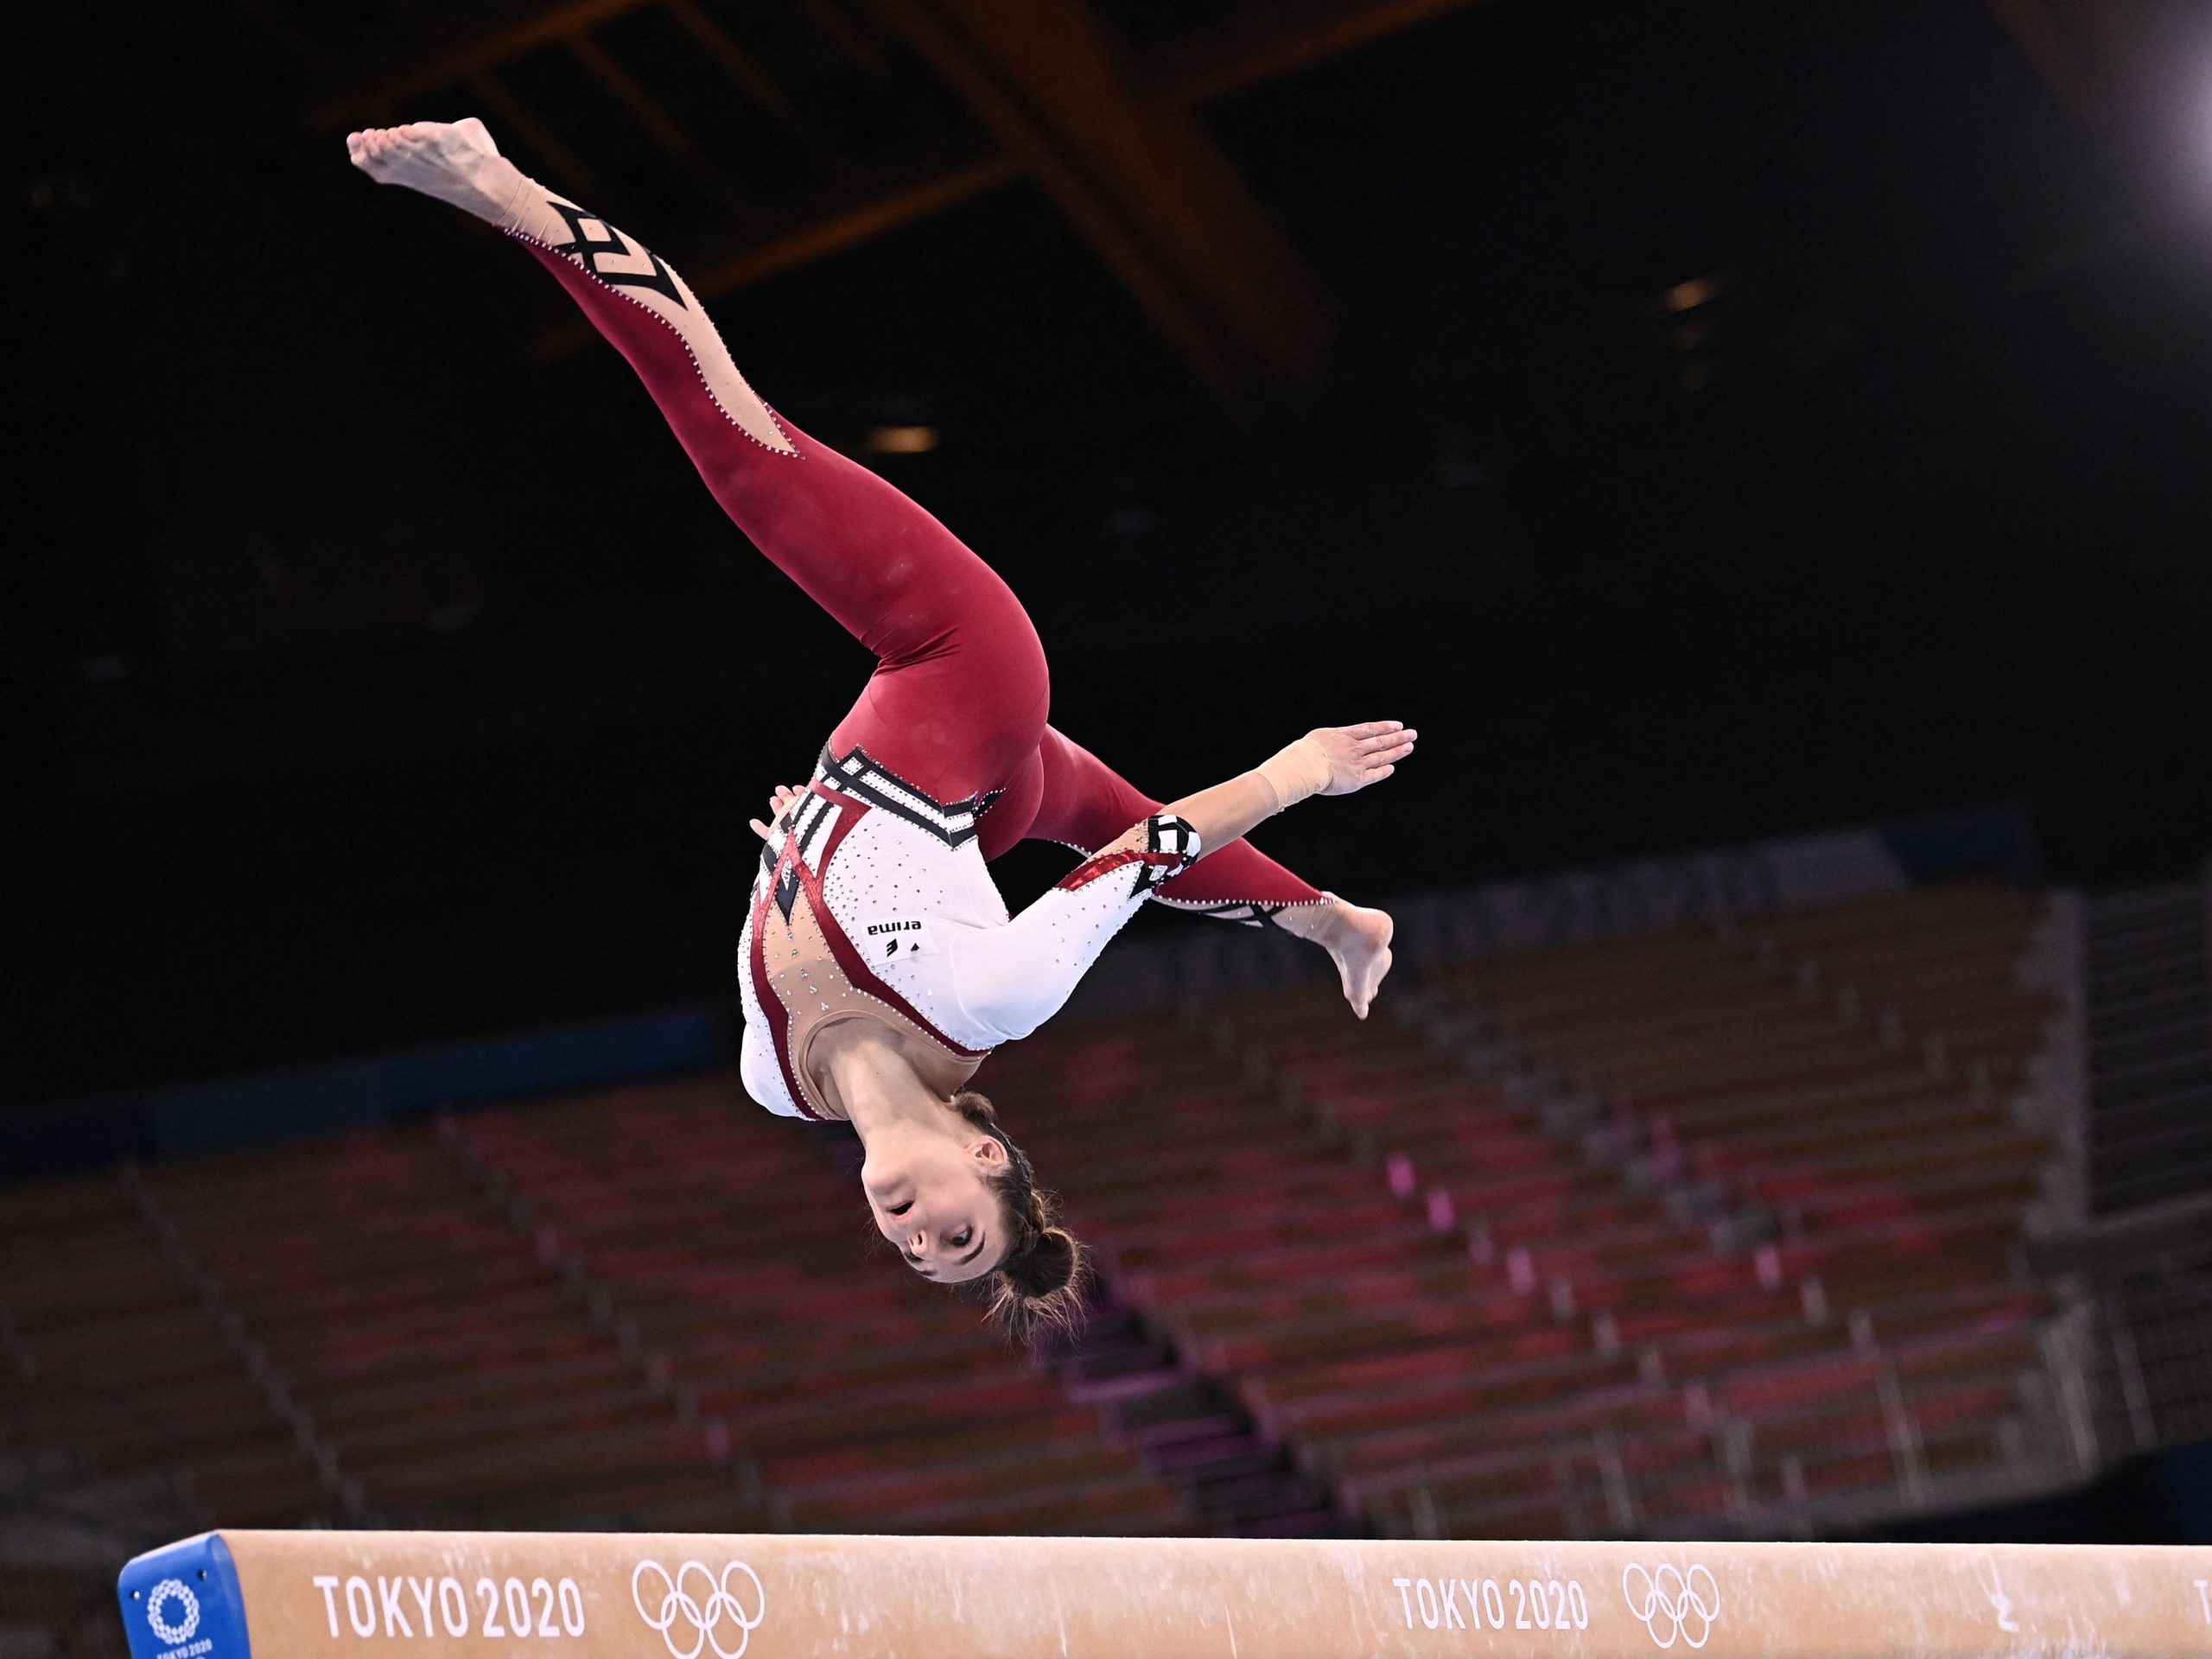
x=1672, y=1603
x=166, y=1590
x=705, y=1611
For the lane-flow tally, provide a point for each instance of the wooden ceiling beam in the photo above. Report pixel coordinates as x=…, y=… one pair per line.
x=737, y=65
x=551, y=27
x=658, y=125
x=1158, y=202
x=1255, y=46
x=848, y=226
x=858, y=50
x=1264, y=42
x=1259, y=43
x=509, y=115
x=863, y=221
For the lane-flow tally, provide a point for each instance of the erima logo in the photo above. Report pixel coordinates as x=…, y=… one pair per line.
x=902, y=934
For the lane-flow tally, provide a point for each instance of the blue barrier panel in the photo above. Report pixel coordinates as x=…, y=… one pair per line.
x=183, y=1602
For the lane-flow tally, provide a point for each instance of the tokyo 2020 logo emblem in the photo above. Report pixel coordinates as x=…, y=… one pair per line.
x=694, y=1610
x=1673, y=1605
x=173, y=1595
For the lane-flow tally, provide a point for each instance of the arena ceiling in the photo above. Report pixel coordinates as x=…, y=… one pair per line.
x=771, y=137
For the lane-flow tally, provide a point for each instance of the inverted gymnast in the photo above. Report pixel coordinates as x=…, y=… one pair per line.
x=877, y=963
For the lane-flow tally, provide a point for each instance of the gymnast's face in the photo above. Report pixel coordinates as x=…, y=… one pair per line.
x=933, y=1199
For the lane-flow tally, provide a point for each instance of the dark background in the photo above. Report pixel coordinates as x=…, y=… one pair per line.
x=370, y=680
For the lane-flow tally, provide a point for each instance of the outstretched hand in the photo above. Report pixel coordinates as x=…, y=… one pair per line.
x=1362, y=755
x=779, y=804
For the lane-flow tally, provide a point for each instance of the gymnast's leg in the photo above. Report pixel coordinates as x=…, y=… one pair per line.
x=1082, y=803
x=959, y=697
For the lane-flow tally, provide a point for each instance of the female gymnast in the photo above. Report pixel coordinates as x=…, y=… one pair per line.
x=878, y=964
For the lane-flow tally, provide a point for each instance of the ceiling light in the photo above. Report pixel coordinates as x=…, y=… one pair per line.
x=902, y=440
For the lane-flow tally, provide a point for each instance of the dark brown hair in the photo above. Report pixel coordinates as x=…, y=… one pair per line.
x=1039, y=1283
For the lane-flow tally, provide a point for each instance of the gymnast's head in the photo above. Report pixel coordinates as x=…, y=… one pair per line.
x=962, y=1207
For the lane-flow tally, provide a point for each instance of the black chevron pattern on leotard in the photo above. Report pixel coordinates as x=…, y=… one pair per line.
x=589, y=250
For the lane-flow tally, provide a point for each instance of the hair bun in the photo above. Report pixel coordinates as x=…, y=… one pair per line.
x=1041, y=1289
x=1048, y=1265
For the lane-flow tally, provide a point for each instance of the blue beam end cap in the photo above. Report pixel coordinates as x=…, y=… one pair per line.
x=182, y=1602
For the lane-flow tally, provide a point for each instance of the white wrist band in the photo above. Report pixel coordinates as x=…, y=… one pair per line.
x=1295, y=772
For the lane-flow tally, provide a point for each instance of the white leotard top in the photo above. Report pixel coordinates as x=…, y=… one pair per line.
x=873, y=900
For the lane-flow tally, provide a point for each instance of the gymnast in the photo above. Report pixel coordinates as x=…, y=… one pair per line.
x=878, y=965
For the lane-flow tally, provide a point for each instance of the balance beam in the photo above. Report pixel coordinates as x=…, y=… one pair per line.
x=474, y=1595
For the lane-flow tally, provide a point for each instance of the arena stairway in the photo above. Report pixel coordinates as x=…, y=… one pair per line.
x=440, y=1370
x=115, y=1364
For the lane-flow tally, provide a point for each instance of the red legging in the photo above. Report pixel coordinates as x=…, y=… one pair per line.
x=956, y=706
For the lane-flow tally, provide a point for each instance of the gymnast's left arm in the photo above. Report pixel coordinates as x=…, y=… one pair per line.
x=1328, y=760
x=1010, y=980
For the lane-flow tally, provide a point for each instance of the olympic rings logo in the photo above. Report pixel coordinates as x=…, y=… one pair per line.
x=705, y=1611
x=1671, y=1605
x=166, y=1590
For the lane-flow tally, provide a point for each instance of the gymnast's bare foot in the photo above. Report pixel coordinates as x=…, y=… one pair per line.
x=1358, y=940
x=455, y=161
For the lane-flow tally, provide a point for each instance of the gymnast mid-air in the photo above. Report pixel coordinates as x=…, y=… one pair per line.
x=878, y=964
